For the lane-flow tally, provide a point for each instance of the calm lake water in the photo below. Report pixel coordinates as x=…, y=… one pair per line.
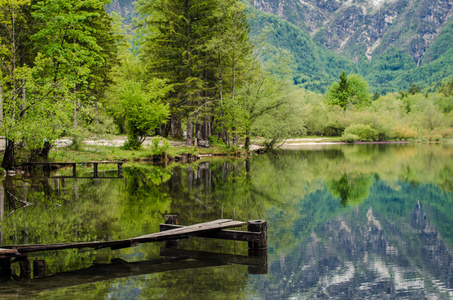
x=344, y=222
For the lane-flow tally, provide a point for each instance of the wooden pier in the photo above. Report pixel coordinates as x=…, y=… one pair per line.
x=47, y=166
x=170, y=232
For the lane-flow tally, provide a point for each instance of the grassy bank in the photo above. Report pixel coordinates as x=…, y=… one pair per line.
x=146, y=153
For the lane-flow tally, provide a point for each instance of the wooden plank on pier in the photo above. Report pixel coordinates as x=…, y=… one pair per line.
x=7, y=251
x=201, y=227
x=154, y=237
x=233, y=235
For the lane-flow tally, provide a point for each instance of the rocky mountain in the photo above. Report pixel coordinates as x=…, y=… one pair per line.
x=391, y=43
x=359, y=28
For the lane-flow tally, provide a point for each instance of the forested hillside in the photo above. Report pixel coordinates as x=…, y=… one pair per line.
x=393, y=44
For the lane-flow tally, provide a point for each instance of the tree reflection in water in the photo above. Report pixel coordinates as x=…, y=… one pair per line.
x=346, y=222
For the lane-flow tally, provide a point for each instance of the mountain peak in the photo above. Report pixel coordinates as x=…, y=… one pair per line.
x=363, y=28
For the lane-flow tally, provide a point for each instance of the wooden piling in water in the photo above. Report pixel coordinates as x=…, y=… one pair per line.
x=95, y=169
x=261, y=227
x=39, y=268
x=5, y=268
x=47, y=166
x=120, y=169
x=170, y=220
x=25, y=267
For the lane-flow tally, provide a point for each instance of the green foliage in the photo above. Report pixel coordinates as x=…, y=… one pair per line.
x=404, y=132
x=350, y=90
x=143, y=109
x=279, y=123
x=447, y=88
x=158, y=149
x=216, y=141
x=364, y=132
x=376, y=96
x=45, y=115
x=56, y=56
x=414, y=89
x=350, y=138
x=339, y=92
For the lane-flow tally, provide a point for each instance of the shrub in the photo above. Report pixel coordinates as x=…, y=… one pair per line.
x=364, y=132
x=349, y=138
x=436, y=137
x=405, y=132
x=216, y=141
x=445, y=132
x=159, y=149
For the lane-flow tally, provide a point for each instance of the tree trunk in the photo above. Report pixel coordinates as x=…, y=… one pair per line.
x=198, y=136
x=44, y=154
x=1, y=104
x=96, y=113
x=167, y=129
x=205, y=130
x=235, y=137
x=8, y=156
x=24, y=98
x=220, y=80
x=2, y=208
x=189, y=132
x=76, y=123
x=176, y=130
x=247, y=144
x=224, y=136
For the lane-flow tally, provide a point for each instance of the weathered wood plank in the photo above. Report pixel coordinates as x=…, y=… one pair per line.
x=213, y=225
x=7, y=251
x=233, y=235
x=154, y=237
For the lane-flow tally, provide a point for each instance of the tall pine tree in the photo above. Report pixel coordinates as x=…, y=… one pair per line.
x=196, y=45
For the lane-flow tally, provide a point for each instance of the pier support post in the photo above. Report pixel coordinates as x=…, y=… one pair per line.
x=47, y=169
x=260, y=257
x=120, y=169
x=95, y=169
x=25, y=267
x=39, y=268
x=171, y=219
x=258, y=247
x=261, y=227
x=5, y=268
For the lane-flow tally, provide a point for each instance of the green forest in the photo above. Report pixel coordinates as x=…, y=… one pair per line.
x=199, y=72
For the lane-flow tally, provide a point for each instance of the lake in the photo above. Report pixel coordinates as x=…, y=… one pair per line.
x=344, y=222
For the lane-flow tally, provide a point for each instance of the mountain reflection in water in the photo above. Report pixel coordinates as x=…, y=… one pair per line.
x=344, y=222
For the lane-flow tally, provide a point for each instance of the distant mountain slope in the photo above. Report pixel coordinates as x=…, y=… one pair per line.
x=315, y=68
x=124, y=7
x=392, y=43
x=366, y=28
